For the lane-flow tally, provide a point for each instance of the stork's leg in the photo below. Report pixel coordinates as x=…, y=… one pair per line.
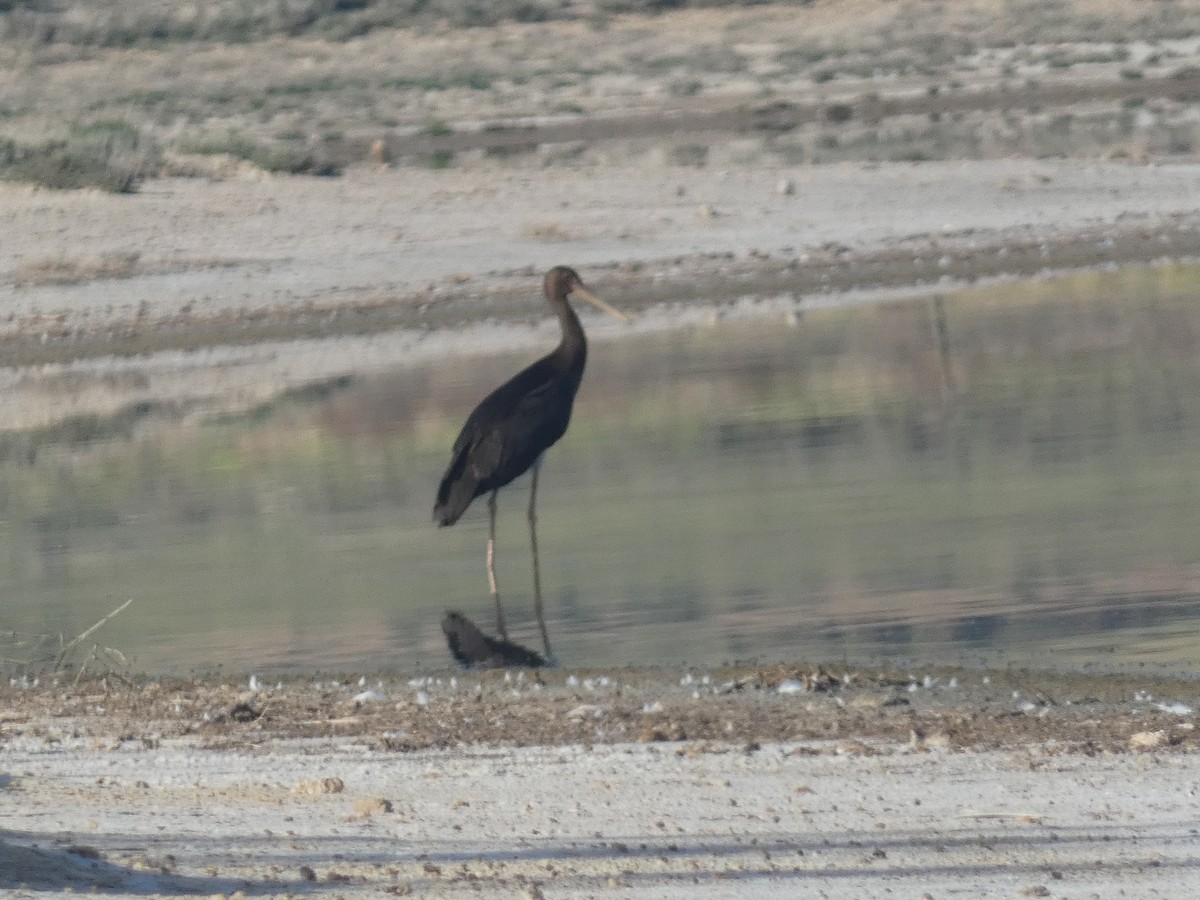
x=537, y=577
x=491, y=566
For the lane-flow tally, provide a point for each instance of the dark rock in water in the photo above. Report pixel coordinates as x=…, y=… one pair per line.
x=474, y=649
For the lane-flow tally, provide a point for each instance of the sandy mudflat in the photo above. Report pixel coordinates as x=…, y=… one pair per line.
x=265, y=245
x=755, y=783
x=220, y=294
x=626, y=821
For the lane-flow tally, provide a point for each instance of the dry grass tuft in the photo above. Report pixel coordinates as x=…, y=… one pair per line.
x=548, y=231
x=274, y=156
x=63, y=270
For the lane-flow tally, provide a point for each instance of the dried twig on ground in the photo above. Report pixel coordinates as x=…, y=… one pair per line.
x=71, y=644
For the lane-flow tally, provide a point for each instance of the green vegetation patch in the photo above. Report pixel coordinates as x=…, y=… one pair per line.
x=112, y=156
x=289, y=158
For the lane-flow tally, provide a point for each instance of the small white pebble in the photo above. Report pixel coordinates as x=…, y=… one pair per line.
x=1148, y=740
x=586, y=711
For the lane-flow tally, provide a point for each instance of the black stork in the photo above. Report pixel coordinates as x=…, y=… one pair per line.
x=508, y=432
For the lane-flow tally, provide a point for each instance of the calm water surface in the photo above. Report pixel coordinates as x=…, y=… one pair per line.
x=1022, y=486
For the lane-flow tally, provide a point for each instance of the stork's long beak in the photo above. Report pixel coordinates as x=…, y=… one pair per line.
x=600, y=304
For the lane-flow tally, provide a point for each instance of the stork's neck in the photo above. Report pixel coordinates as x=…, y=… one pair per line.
x=572, y=349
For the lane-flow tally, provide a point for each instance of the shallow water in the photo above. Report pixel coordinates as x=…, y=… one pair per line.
x=1018, y=485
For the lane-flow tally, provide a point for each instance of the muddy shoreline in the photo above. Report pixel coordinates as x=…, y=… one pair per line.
x=750, y=782
x=963, y=709
x=714, y=280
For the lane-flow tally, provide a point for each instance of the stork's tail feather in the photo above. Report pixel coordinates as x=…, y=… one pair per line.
x=454, y=495
x=444, y=515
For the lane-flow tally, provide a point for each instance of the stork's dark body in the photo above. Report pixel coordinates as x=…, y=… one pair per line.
x=516, y=423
